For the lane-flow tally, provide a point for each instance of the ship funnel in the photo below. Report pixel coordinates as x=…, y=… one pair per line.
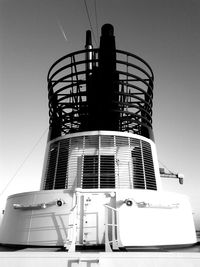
x=107, y=52
x=103, y=86
x=100, y=89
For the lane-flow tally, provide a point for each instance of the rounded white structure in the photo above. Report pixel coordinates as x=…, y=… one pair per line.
x=130, y=211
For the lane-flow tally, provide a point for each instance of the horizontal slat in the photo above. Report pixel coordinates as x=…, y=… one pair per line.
x=100, y=161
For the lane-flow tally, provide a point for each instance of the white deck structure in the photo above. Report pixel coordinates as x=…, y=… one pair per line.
x=117, y=259
x=93, y=211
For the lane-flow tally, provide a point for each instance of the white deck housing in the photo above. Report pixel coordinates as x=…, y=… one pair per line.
x=112, y=197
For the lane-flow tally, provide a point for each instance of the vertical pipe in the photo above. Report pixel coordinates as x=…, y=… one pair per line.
x=89, y=55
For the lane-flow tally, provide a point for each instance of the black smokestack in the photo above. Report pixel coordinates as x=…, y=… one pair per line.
x=88, y=39
x=102, y=86
x=107, y=53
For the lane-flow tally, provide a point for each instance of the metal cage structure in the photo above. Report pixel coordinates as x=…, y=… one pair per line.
x=68, y=94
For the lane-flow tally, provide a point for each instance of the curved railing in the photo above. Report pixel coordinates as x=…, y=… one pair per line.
x=67, y=89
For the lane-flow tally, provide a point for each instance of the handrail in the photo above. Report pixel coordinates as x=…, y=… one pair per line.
x=115, y=241
x=70, y=244
x=107, y=206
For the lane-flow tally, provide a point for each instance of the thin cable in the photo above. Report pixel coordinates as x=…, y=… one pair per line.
x=166, y=167
x=96, y=19
x=23, y=162
x=90, y=21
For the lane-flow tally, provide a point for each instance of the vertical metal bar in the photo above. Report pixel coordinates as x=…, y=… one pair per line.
x=127, y=74
x=144, y=175
x=114, y=225
x=119, y=244
x=83, y=154
x=67, y=175
x=72, y=246
x=99, y=162
x=130, y=170
x=107, y=243
x=55, y=173
x=117, y=184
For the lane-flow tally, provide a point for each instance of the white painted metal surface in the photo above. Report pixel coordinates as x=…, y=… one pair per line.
x=155, y=218
x=159, y=216
x=117, y=259
x=76, y=216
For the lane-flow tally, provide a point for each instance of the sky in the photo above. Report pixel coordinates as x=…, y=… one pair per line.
x=165, y=33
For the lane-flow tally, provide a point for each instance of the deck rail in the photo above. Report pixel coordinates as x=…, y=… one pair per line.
x=112, y=240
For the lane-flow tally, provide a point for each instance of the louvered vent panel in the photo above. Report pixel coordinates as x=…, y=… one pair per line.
x=75, y=161
x=107, y=145
x=51, y=167
x=107, y=171
x=90, y=172
x=92, y=141
x=90, y=162
x=62, y=165
x=137, y=159
x=103, y=161
x=123, y=161
x=148, y=166
x=107, y=141
x=121, y=141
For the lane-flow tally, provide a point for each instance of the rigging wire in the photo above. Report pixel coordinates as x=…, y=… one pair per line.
x=166, y=167
x=23, y=162
x=96, y=19
x=88, y=15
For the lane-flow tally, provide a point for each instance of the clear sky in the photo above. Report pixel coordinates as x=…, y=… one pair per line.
x=164, y=32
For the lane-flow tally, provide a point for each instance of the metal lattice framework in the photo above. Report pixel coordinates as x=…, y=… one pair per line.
x=67, y=89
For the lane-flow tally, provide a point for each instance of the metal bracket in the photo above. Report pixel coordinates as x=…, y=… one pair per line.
x=57, y=202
